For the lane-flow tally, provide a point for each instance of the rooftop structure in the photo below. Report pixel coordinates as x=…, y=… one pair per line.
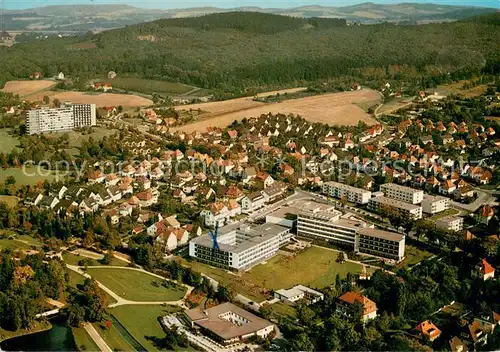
x=229, y=323
x=297, y=293
x=242, y=247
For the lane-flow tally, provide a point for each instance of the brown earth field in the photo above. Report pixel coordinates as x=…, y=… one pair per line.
x=100, y=99
x=25, y=88
x=331, y=108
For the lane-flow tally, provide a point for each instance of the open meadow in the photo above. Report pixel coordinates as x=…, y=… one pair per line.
x=8, y=141
x=457, y=88
x=26, y=88
x=315, y=267
x=149, y=86
x=330, y=108
x=137, y=286
x=30, y=176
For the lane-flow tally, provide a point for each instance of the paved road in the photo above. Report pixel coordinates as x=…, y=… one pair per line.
x=482, y=198
x=122, y=301
x=103, y=346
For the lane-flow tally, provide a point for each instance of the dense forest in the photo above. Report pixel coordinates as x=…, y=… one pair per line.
x=234, y=50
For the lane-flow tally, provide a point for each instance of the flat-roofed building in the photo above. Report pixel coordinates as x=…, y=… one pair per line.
x=63, y=118
x=240, y=248
x=402, y=193
x=385, y=204
x=381, y=243
x=434, y=204
x=298, y=293
x=228, y=323
x=351, y=194
x=450, y=223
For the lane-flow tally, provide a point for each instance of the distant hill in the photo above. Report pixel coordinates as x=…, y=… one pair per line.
x=100, y=17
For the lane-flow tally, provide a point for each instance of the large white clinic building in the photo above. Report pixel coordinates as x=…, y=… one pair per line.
x=241, y=247
x=323, y=222
x=402, y=193
x=352, y=194
x=64, y=118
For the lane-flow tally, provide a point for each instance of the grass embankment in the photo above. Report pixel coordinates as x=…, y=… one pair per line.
x=74, y=259
x=142, y=322
x=83, y=341
x=38, y=327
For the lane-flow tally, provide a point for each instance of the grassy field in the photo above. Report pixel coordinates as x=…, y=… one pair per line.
x=137, y=286
x=7, y=141
x=73, y=259
x=414, y=255
x=283, y=310
x=316, y=267
x=113, y=337
x=448, y=212
x=30, y=177
x=11, y=201
x=148, y=86
x=12, y=244
x=83, y=341
x=142, y=322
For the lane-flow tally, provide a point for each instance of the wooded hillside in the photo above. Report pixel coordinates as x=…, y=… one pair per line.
x=235, y=50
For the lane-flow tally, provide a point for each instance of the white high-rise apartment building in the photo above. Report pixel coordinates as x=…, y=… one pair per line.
x=352, y=194
x=402, y=193
x=64, y=118
x=435, y=204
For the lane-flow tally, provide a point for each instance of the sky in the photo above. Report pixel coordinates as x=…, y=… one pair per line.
x=175, y=4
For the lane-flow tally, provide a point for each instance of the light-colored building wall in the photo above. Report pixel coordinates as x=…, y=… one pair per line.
x=434, y=204
x=451, y=223
x=352, y=194
x=64, y=118
x=384, y=203
x=402, y=193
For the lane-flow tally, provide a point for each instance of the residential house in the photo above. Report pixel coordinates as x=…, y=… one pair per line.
x=484, y=270
x=265, y=178
x=346, y=302
x=274, y=191
x=217, y=213
x=147, y=198
x=252, y=202
x=427, y=330
x=96, y=176
x=89, y=205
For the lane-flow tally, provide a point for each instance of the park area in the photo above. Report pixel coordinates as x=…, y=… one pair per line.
x=136, y=285
x=315, y=267
x=331, y=108
x=142, y=323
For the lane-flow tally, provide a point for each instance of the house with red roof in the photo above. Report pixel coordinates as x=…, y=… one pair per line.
x=346, y=302
x=484, y=270
x=428, y=330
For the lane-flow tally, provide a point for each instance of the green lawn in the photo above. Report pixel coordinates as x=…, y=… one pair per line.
x=75, y=279
x=142, y=322
x=74, y=259
x=113, y=337
x=414, y=255
x=29, y=176
x=83, y=341
x=283, y=310
x=8, y=141
x=448, y=212
x=29, y=240
x=315, y=267
x=149, y=86
x=136, y=285
x=12, y=244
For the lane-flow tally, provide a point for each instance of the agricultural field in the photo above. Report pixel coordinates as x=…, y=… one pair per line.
x=148, y=86
x=100, y=99
x=457, y=89
x=330, y=108
x=27, y=88
x=142, y=322
x=7, y=141
x=137, y=286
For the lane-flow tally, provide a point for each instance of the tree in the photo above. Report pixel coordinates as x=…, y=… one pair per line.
x=225, y=293
x=46, y=99
x=108, y=258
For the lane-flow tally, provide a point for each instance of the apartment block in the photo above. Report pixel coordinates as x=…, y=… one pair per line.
x=451, y=223
x=434, y=204
x=64, y=118
x=240, y=248
x=352, y=194
x=381, y=243
x=402, y=193
x=384, y=204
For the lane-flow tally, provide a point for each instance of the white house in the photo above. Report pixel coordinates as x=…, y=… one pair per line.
x=252, y=202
